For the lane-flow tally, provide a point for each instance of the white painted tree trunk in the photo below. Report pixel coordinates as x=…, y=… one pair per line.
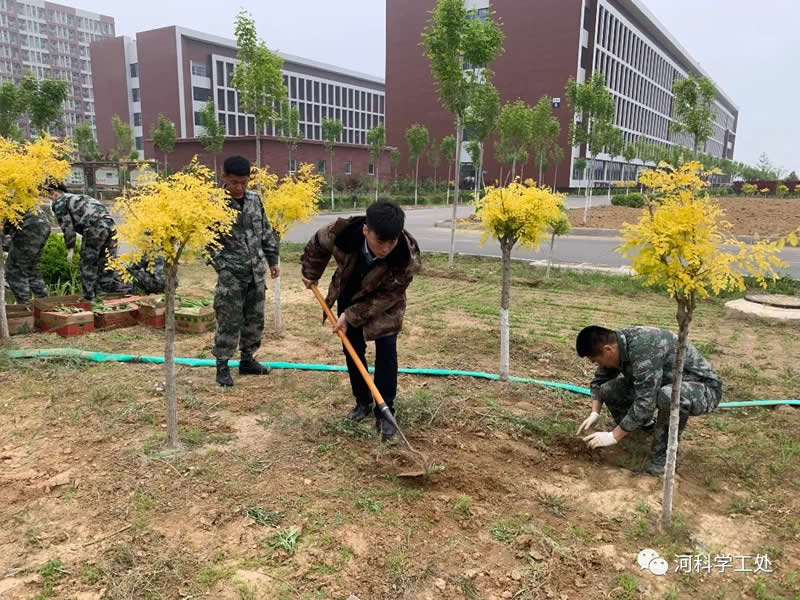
x=457, y=167
x=482, y=183
x=331, y=183
x=3, y=316
x=513, y=170
x=277, y=289
x=449, y=167
x=416, y=180
x=377, y=180
x=505, y=328
x=216, y=175
x=589, y=190
x=258, y=147
x=684, y=321
x=550, y=258
x=539, y=181
x=171, y=401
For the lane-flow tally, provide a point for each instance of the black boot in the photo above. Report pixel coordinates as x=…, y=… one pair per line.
x=385, y=427
x=224, y=374
x=250, y=366
x=658, y=460
x=360, y=412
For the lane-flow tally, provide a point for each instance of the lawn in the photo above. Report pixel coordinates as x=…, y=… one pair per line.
x=277, y=496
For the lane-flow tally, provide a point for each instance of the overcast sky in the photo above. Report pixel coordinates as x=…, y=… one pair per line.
x=750, y=49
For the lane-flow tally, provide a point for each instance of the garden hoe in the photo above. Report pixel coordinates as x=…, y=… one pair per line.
x=385, y=412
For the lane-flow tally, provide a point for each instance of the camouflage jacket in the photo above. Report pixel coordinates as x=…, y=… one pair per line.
x=380, y=305
x=78, y=213
x=250, y=241
x=647, y=360
x=31, y=231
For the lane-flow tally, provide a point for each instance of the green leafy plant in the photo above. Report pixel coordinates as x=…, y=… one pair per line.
x=54, y=265
x=634, y=200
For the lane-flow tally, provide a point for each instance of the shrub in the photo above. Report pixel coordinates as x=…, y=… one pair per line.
x=54, y=265
x=749, y=189
x=782, y=190
x=633, y=200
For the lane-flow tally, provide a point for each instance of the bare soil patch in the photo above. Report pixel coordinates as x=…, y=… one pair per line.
x=749, y=216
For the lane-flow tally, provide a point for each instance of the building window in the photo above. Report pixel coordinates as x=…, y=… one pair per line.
x=293, y=165
x=320, y=166
x=200, y=69
x=140, y=143
x=348, y=167
x=202, y=94
x=198, y=118
x=137, y=119
x=371, y=169
x=134, y=69
x=135, y=94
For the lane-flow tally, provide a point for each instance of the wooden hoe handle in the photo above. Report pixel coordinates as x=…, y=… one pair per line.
x=350, y=350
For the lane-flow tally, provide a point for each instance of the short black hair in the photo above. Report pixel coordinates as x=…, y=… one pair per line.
x=386, y=220
x=236, y=165
x=591, y=340
x=54, y=184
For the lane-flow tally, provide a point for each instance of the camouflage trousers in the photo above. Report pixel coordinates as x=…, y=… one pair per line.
x=96, y=245
x=239, y=306
x=22, y=269
x=697, y=398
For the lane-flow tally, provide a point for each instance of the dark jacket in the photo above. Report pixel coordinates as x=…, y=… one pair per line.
x=78, y=214
x=380, y=305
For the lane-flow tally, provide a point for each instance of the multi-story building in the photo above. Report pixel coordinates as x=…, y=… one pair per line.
x=175, y=72
x=546, y=43
x=49, y=40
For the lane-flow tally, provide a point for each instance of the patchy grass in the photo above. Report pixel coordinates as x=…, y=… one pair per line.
x=275, y=495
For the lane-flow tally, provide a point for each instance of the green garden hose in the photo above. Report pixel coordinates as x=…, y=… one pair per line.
x=205, y=362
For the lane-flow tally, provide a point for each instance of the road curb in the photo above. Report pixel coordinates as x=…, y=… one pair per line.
x=616, y=233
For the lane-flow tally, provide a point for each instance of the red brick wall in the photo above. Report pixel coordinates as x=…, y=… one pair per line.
x=110, y=88
x=541, y=53
x=158, y=77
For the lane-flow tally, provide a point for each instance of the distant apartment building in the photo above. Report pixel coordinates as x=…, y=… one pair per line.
x=51, y=40
x=546, y=43
x=175, y=72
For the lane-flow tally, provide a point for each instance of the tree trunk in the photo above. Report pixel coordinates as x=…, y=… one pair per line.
x=165, y=165
x=377, y=180
x=277, y=290
x=501, y=176
x=171, y=272
x=550, y=259
x=449, y=167
x=477, y=180
x=258, y=147
x=457, y=167
x=555, y=179
x=289, y=164
x=216, y=175
x=522, y=172
x=513, y=170
x=3, y=316
x=416, y=180
x=539, y=181
x=505, y=296
x=685, y=311
x=589, y=190
x=330, y=183
x=435, y=169
x=482, y=184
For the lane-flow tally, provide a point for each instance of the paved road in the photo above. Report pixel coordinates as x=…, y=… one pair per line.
x=578, y=250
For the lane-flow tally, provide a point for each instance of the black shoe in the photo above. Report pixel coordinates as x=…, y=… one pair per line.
x=360, y=412
x=224, y=374
x=250, y=366
x=388, y=431
x=658, y=464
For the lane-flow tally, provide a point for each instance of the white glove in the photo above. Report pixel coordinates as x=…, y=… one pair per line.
x=588, y=423
x=600, y=439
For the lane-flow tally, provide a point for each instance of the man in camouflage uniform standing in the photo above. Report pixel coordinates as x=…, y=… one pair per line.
x=79, y=214
x=25, y=243
x=241, y=270
x=645, y=359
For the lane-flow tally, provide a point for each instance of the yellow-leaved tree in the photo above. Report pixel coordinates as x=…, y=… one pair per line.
x=177, y=217
x=288, y=202
x=24, y=168
x=683, y=243
x=519, y=213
